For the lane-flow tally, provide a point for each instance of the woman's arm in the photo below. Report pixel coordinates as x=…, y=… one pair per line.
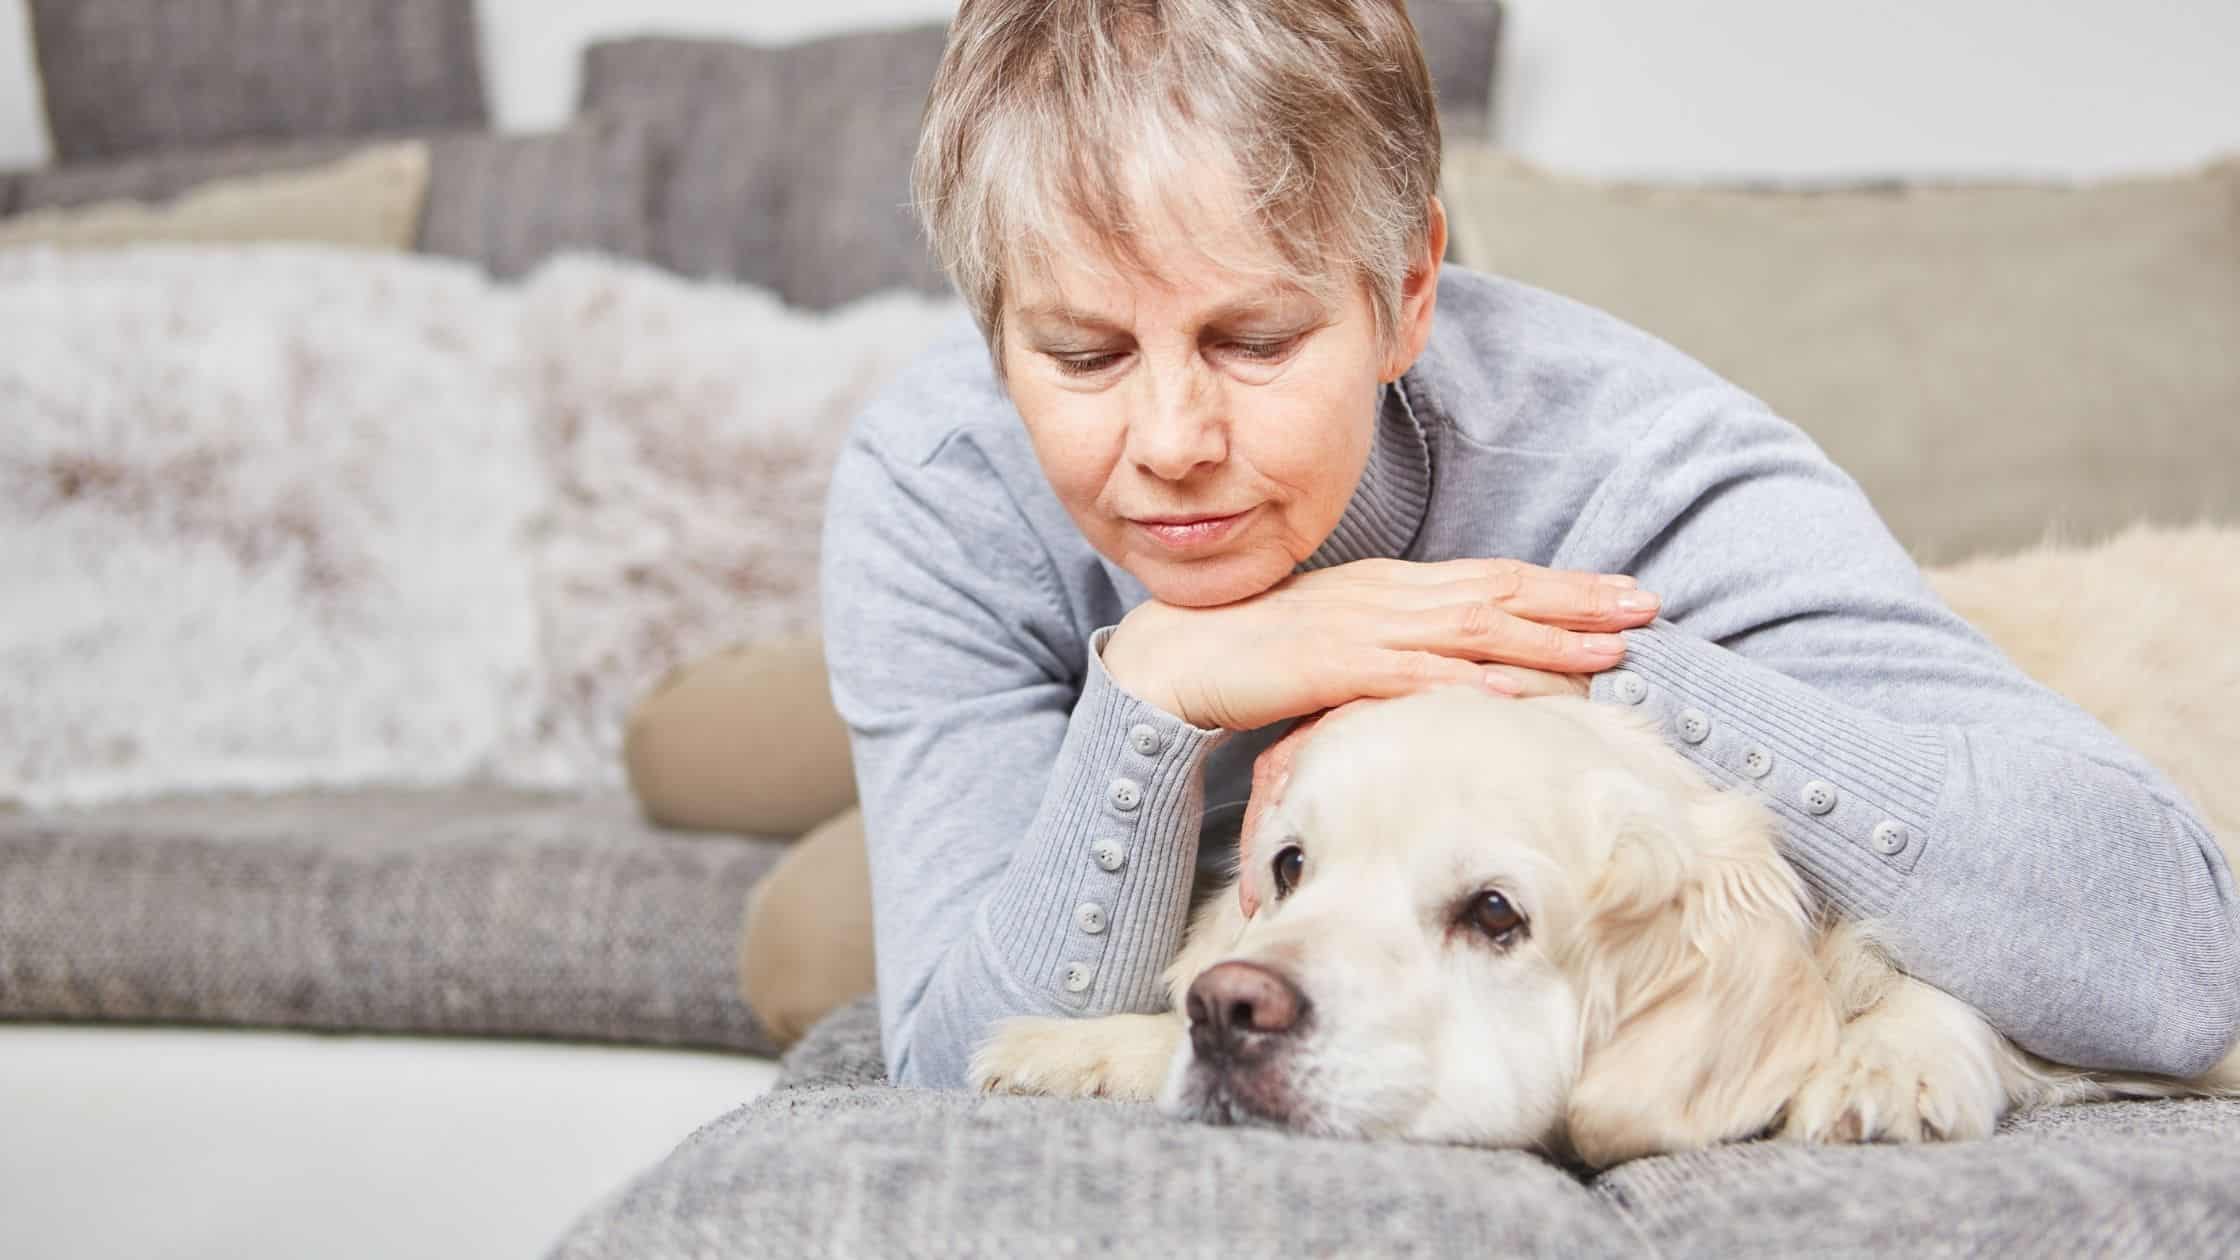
x=2016, y=852
x=1032, y=828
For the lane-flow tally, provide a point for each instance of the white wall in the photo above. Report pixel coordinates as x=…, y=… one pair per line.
x=1714, y=87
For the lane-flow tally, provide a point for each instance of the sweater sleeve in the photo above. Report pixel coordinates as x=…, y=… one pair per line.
x=2014, y=852
x=1032, y=828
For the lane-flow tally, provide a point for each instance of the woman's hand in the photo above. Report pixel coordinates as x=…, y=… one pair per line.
x=1373, y=629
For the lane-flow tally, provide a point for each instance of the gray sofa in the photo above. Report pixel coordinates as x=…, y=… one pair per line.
x=474, y=910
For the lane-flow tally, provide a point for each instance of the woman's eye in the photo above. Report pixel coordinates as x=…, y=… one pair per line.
x=1490, y=912
x=1086, y=365
x=1262, y=351
x=1289, y=862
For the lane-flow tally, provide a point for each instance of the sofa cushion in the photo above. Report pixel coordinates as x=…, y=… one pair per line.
x=1987, y=361
x=469, y=911
x=2100, y=1179
x=879, y=1171
x=835, y=1161
x=504, y=202
x=368, y=200
x=134, y=76
x=789, y=166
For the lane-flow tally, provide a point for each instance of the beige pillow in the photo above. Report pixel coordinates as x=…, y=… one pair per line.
x=370, y=200
x=1990, y=362
x=745, y=740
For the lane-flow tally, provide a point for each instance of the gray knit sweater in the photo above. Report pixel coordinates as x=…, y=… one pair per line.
x=1034, y=829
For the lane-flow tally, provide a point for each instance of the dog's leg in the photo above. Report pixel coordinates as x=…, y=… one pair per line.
x=1111, y=1056
x=1914, y=1064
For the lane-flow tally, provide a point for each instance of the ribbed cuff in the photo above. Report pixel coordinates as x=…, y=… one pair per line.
x=1092, y=908
x=1856, y=794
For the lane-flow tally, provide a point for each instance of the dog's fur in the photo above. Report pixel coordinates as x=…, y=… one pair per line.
x=1674, y=986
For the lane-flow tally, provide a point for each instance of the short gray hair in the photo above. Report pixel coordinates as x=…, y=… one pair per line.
x=1050, y=113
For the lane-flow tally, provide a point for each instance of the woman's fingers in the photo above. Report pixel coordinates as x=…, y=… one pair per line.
x=1541, y=682
x=1558, y=597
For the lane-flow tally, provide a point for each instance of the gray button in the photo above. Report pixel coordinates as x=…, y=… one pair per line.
x=1145, y=741
x=1819, y=796
x=1695, y=725
x=1126, y=795
x=1109, y=854
x=1891, y=837
x=1089, y=917
x=1629, y=687
x=1756, y=761
x=1078, y=976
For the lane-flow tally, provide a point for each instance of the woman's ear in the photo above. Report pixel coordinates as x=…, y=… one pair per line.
x=1704, y=1008
x=1419, y=297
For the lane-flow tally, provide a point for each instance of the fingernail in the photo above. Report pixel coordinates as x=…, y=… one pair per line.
x=1605, y=644
x=1618, y=579
x=1503, y=683
x=1638, y=601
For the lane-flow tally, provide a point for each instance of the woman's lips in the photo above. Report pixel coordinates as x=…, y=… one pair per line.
x=1185, y=534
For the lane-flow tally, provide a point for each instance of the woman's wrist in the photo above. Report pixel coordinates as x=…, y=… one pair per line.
x=1135, y=673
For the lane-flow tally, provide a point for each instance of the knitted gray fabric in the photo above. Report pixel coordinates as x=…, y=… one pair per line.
x=504, y=202
x=837, y=1163
x=134, y=76
x=440, y=912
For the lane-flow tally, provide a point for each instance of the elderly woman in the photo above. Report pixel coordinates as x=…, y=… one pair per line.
x=1228, y=447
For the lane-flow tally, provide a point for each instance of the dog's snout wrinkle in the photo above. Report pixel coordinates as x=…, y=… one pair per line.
x=1239, y=1008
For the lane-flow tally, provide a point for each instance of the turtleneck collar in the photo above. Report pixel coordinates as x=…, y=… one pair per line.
x=1387, y=508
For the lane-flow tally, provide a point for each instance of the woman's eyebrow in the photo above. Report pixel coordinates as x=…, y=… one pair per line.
x=1248, y=304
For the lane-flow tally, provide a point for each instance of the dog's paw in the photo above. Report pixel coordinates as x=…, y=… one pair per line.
x=1919, y=1068
x=1116, y=1056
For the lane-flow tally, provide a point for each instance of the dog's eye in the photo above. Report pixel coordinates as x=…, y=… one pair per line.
x=1289, y=861
x=1491, y=913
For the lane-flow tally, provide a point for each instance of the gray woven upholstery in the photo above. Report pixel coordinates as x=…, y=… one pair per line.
x=133, y=76
x=503, y=201
x=1461, y=43
x=787, y=168
x=442, y=912
x=835, y=1162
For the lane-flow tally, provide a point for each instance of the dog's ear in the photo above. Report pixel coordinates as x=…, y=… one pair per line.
x=1703, y=1009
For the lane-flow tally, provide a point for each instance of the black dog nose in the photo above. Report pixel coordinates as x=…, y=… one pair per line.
x=1238, y=1009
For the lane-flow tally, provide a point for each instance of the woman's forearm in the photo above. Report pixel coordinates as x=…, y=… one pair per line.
x=2076, y=901
x=1087, y=911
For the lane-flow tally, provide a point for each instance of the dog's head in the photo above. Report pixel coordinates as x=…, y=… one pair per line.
x=1508, y=923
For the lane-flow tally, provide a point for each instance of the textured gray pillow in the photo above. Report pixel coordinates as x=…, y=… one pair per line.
x=790, y=167
x=135, y=76
x=1461, y=41
x=505, y=202
x=783, y=167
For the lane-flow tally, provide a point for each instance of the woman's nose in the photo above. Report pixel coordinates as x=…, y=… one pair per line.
x=1177, y=429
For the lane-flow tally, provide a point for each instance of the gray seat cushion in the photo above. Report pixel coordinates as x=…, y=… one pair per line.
x=504, y=201
x=462, y=911
x=836, y=1162
x=138, y=76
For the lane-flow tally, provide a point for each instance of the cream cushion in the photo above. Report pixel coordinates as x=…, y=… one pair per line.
x=1990, y=362
x=369, y=200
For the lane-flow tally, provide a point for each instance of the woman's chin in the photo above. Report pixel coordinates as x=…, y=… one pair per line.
x=1212, y=581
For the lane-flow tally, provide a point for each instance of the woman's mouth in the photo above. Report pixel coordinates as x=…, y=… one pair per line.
x=1190, y=533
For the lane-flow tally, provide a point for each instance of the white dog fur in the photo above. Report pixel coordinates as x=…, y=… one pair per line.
x=1674, y=986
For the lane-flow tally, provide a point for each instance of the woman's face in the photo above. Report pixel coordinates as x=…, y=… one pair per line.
x=1204, y=433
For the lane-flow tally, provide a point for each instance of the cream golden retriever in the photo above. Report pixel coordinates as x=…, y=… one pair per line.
x=1532, y=923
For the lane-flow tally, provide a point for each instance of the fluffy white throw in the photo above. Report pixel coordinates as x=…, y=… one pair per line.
x=287, y=517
